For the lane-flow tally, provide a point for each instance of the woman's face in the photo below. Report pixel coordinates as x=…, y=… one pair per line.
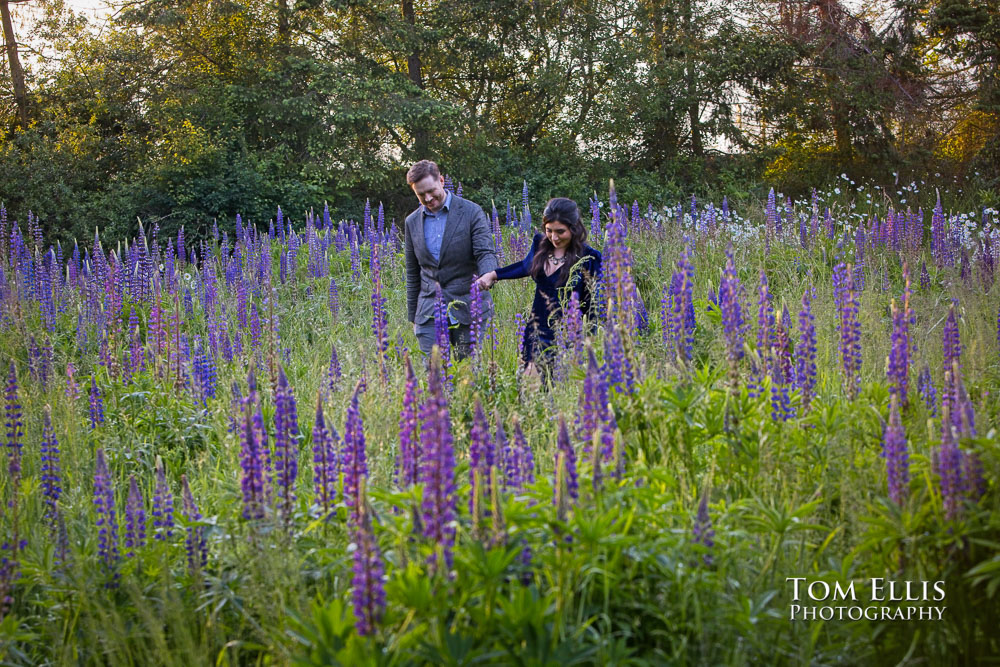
x=559, y=234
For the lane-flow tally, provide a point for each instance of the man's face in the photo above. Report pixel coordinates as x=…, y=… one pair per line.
x=430, y=192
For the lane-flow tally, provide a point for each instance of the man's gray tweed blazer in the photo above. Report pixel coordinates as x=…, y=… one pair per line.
x=466, y=249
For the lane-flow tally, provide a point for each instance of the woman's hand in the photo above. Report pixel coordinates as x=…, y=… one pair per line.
x=487, y=280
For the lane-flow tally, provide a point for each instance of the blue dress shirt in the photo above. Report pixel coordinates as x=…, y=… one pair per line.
x=434, y=224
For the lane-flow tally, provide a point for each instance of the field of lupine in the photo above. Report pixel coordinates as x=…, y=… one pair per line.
x=233, y=452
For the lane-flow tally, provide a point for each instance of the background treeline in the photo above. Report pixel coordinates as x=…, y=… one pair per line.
x=182, y=111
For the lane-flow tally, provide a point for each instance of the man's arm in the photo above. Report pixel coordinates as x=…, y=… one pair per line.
x=412, y=273
x=483, y=248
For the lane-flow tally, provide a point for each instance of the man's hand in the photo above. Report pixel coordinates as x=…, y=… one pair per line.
x=487, y=280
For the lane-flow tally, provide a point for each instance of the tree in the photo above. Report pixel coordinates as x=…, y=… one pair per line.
x=14, y=63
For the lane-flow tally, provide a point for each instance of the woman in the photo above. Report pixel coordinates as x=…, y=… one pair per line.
x=559, y=258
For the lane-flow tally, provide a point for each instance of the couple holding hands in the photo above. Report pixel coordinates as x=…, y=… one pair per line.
x=448, y=240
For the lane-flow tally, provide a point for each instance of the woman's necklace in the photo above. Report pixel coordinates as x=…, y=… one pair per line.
x=557, y=261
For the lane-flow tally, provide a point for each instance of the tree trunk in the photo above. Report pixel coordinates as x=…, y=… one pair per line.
x=832, y=36
x=284, y=31
x=16, y=73
x=691, y=79
x=413, y=70
x=662, y=141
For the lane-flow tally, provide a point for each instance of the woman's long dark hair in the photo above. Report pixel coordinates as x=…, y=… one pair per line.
x=560, y=209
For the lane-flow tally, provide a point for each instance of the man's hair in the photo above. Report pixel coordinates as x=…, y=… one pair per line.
x=422, y=170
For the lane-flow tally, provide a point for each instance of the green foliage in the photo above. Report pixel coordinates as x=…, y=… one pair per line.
x=189, y=112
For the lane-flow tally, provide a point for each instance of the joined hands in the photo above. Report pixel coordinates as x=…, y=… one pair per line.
x=487, y=280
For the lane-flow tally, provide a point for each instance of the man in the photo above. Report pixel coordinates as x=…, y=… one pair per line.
x=447, y=240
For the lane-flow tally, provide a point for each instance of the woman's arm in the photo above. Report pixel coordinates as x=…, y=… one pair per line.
x=520, y=269
x=511, y=271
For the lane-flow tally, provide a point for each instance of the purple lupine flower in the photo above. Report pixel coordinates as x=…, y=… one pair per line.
x=519, y=327
x=237, y=344
x=14, y=424
x=333, y=373
x=369, y=569
x=286, y=446
x=702, y=531
x=939, y=248
x=441, y=336
x=782, y=372
x=951, y=339
x=505, y=452
x=51, y=473
x=595, y=219
x=963, y=413
x=352, y=233
x=107, y=522
x=72, y=388
x=772, y=220
x=9, y=564
x=195, y=544
x=733, y=324
x=927, y=391
x=899, y=355
x=380, y=316
x=524, y=472
x=242, y=300
x=593, y=402
x=477, y=321
x=482, y=454
x=409, y=430
x=513, y=479
x=567, y=453
x=326, y=465
x=670, y=306
x=96, y=404
x=353, y=458
x=45, y=357
x=805, y=353
x=497, y=234
x=255, y=328
x=948, y=466
x=925, y=277
x=686, y=269
x=138, y=362
x=227, y=345
x=180, y=245
x=765, y=331
x=135, y=519
x=163, y=505
x=897, y=462
x=252, y=462
x=205, y=374
x=623, y=300
x=973, y=479
x=849, y=327
x=619, y=371
x=333, y=299
x=437, y=467
x=571, y=328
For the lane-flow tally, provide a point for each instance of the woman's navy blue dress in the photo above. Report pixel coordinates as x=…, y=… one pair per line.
x=546, y=308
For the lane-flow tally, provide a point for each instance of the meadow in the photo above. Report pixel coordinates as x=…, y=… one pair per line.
x=231, y=451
